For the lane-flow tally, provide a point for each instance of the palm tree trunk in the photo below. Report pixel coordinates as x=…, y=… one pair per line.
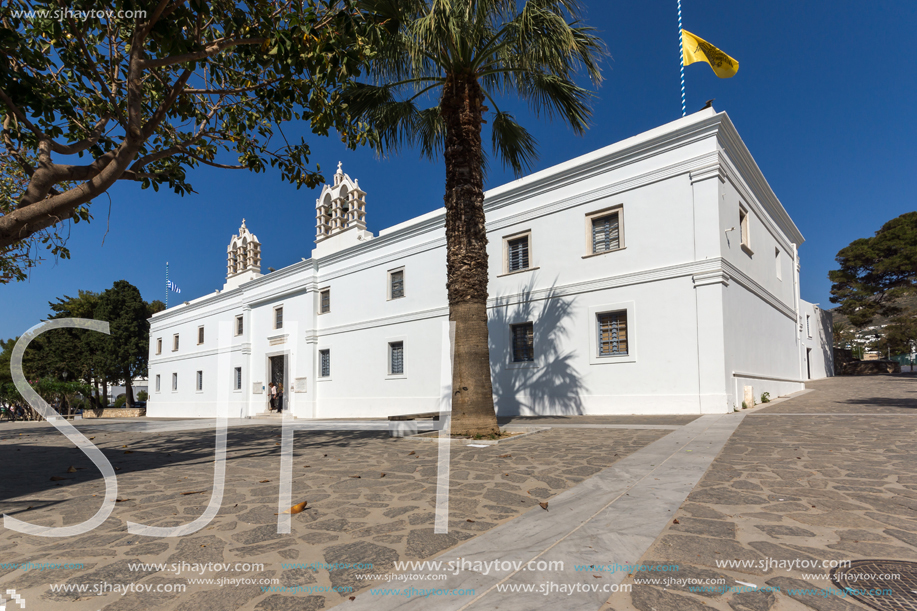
x=462, y=107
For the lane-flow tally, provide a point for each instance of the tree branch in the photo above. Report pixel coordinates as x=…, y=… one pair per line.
x=208, y=51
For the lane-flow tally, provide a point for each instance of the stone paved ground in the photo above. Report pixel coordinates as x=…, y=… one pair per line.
x=371, y=518
x=838, y=482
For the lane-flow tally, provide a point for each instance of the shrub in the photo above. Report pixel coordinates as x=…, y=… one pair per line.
x=119, y=402
x=744, y=405
x=765, y=397
x=142, y=395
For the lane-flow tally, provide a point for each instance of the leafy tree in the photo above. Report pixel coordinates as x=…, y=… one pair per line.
x=146, y=95
x=875, y=272
x=469, y=52
x=125, y=352
x=901, y=333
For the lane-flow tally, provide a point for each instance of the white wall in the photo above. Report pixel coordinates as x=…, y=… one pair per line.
x=699, y=308
x=817, y=342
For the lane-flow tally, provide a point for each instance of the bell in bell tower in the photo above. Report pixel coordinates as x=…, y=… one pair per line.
x=243, y=258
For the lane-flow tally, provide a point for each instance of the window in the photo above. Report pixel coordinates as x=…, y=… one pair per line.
x=777, y=263
x=612, y=329
x=175, y=342
x=324, y=363
x=324, y=301
x=523, y=343
x=200, y=335
x=743, y=226
x=396, y=284
x=237, y=379
x=396, y=358
x=604, y=231
x=200, y=380
x=174, y=382
x=239, y=325
x=158, y=345
x=278, y=318
x=808, y=326
x=517, y=254
x=157, y=382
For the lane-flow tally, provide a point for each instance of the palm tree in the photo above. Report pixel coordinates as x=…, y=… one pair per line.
x=471, y=51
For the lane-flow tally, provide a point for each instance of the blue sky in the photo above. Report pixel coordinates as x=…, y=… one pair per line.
x=824, y=100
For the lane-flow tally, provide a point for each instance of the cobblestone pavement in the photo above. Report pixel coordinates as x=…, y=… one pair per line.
x=371, y=500
x=825, y=477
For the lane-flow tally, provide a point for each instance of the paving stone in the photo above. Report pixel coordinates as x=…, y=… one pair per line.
x=752, y=601
x=778, y=530
x=725, y=496
x=279, y=602
x=709, y=528
x=646, y=598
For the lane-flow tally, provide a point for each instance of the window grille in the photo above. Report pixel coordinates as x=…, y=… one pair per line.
x=518, y=254
x=605, y=235
x=239, y=325
x=324, y=357
x=200, y=380
x=278, y=318
x=325, y=301
x=200, y=335
x=612, y=333
x=174, y=381
x=397, y=358
x=523, y=343
x=157, y=382
x=238, y=379
x=397, y=284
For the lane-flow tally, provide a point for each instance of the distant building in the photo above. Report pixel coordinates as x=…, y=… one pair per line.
x=658, y=275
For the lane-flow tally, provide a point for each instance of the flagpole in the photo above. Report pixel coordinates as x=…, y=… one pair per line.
x=167, y=285
x=681, y=58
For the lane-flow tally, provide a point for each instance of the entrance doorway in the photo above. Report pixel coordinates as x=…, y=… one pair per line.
x=278, y=367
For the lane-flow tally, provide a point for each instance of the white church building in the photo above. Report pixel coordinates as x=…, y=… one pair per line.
x=658, y=275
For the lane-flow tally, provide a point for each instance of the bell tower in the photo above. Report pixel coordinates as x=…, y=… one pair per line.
x=340, y=213
x=243, y=258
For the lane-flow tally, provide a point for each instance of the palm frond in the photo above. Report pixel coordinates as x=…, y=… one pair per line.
x=430, y=130
x=515, y=146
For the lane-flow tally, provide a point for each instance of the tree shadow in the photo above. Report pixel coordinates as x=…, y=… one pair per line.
x=29, y=467
x=551, y=385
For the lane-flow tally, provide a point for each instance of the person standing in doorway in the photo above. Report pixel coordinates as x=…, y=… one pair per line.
x=272, y=390
x=279, y=398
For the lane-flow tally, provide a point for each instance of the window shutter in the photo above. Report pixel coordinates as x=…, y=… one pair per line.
x=612, y=333
x=397, y=284
x=523, y=343
x=518, y=255
x=397, y=358
x=605, y=233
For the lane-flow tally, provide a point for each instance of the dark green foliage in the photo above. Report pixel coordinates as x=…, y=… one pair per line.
x=876, y=271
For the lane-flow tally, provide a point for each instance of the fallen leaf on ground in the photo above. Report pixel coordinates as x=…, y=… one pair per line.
x=353, y=598
x=128, y=451
x=504, y=455
x=55, y=478
x=675, y=521
x=122, y=500
x=411, y=453
x=71, y=469
x=355, y=476
x=382, y=475
x=470, y=520
x=544, y=505
x=306, y=467
x=297, y=508
x=264, y=481
x=195, y=492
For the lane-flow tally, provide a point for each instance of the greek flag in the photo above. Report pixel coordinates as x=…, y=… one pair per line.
x=172, y=286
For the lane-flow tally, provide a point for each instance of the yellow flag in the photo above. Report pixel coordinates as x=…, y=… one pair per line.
x=696, y=49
